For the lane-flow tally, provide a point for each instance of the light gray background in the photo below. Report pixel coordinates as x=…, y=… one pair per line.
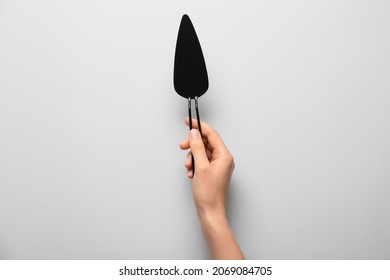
x=90, y=125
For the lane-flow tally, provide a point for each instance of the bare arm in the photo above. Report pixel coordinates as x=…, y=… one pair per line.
x=214, y=167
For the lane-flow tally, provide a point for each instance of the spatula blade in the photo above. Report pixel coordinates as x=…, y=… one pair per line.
x=190, y=74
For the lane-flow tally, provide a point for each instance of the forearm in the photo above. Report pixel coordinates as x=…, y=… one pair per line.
x=219, y=237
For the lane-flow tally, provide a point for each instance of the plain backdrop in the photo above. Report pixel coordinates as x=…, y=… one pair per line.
x=90, y=125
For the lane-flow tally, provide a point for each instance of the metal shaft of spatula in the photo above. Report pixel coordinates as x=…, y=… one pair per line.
x=197, y=113
x=190, y=125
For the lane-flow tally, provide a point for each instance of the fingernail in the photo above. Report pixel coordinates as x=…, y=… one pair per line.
x=188, y=160
x=194, y=133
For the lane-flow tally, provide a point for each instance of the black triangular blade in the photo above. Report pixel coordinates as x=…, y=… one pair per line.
x=190, y=73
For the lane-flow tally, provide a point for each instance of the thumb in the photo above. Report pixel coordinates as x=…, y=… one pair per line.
x=197, y=148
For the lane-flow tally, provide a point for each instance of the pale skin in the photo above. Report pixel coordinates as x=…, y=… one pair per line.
x=214, y=166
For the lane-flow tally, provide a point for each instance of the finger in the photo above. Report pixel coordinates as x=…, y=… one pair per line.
x=209, y=154
x=188, y=163
x=190, y=174
x=213, y=138
x=185, y=144
x=198, y=149
x=208, y=147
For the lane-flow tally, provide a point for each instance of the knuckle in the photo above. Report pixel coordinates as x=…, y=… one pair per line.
x=229, y=159
x=201, y=170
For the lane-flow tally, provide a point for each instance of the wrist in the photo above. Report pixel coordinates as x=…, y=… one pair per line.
x=213, y=218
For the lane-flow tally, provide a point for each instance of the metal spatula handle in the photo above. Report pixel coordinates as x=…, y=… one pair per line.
x=199, y=126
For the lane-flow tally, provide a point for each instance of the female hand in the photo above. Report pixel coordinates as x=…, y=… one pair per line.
x=214, y=167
